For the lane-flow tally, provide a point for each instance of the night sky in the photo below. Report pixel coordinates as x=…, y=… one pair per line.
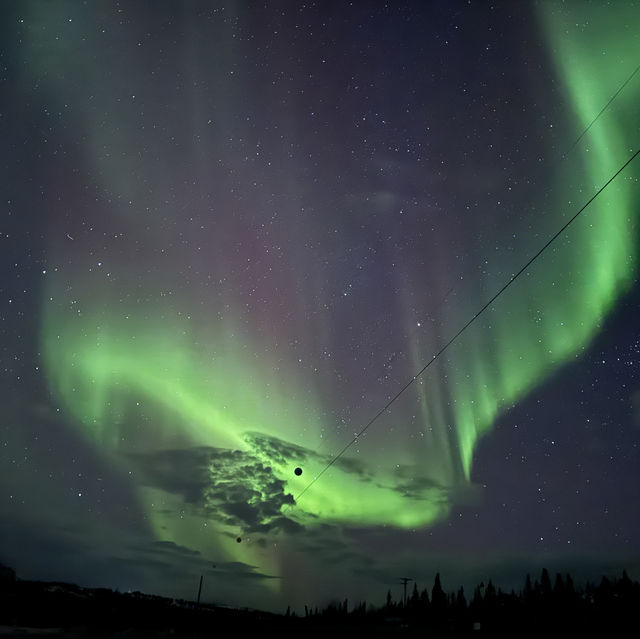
x=231, y=233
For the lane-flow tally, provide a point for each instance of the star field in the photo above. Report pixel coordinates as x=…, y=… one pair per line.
x=233, y=232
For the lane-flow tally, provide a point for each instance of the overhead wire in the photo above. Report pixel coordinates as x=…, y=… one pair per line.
x=466, y=325
x=604, y=108
x=513, y=278
x=550, y=168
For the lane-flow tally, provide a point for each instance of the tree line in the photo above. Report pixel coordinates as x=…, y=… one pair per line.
x=542, y=603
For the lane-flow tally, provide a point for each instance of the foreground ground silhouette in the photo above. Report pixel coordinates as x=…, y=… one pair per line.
x=542, y=607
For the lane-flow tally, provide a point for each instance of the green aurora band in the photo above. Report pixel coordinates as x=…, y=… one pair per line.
x=111, y=379
x=124, y=375
x=534, y=328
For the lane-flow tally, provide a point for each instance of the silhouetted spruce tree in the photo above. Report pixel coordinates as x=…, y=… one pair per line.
x=528, y=589
x=558, y=587
x=438, y=599
x=424, y=601
x=490, y=600
x=545, y=585
x=389, y=600
x=460, y=605
x=607, y=600
x=568, y=587
x=478, y=596
x=625, y=587
x=414, y=600
x=605, y=589
x=476, y=604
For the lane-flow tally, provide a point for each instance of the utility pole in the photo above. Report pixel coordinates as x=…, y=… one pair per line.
x=199, y=591
x=405, y=581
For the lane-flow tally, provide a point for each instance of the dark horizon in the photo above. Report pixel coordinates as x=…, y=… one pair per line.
x=542, y=604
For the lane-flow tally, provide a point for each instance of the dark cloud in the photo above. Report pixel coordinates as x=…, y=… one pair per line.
x=183, y=472
x=288, y=454
x=330, y=543
x=179, y=562
x=421, y=488
x=237, y=569
x=353, y=467
x=278, y=450
x=138, y=563
x=167, y=558
x=236, y=488
x=233, y=487
x=170, y=546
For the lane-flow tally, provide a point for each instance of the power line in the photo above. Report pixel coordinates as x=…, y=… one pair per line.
x=469, y=322
x=604, y=108
x=452, y=289
x=553, y=166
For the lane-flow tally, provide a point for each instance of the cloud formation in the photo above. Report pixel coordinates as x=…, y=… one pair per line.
x=233, y=487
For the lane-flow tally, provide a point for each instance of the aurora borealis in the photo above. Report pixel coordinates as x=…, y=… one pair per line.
x=234, y=232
